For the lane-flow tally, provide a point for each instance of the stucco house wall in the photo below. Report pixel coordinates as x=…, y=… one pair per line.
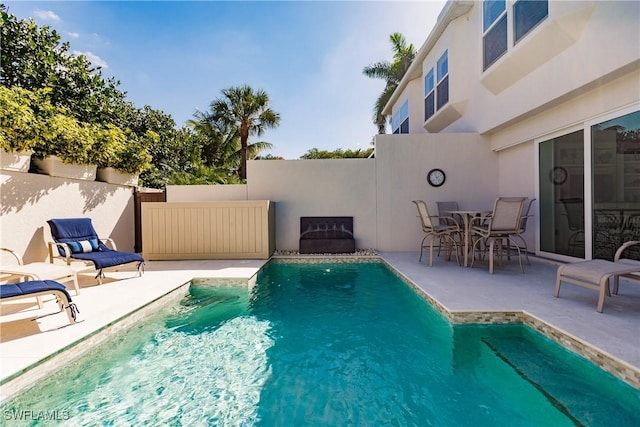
x=578, y=64
x=402, y=165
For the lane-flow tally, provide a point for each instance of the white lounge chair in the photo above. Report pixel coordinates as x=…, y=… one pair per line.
x=595, y=274
x=36, y=271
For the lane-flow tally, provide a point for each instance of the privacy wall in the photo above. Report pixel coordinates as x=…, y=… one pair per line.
x=377, y=193
x=28, y=200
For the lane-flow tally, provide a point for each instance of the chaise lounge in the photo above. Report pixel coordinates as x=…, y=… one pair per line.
x=36, y=271
x=595, y=274
x=39, y=288
x=76, y=239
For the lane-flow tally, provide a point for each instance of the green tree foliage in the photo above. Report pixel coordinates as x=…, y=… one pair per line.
x=315, y=153
x=32, y=57
x=248, y=112
x=392, y=73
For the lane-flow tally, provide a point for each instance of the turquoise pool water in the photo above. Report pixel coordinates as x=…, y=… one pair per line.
x=327, y=345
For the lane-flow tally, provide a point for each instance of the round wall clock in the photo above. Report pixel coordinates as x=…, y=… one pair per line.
x=436, y=177
x=559, y=175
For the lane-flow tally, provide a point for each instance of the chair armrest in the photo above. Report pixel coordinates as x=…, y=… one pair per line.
x=109, y=243
x=65, y=248
x=15, y=255
x=8, y=271
x=448, y=219
x=622, y=248
x=480, y=219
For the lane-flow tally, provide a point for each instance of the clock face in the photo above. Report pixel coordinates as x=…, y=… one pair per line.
x=436, y=177
x=559, y=175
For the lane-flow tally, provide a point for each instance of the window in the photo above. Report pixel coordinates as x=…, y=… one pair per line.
x=494, y=26
x=430, y=95
x=435, y=97
x=526, y=15
x=400, y=120
x=443, y=80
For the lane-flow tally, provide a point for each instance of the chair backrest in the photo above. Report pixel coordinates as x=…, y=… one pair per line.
x=64, y=230
x=525, y=214
x=444, y=210
x=67, y=230
x=425, y=219
x=506, y=214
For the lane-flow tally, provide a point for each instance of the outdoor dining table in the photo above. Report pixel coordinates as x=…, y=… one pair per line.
x=466, y=217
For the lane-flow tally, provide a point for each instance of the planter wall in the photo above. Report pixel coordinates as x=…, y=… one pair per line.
x=53, y=166
x=114, y=176
x=15, y=161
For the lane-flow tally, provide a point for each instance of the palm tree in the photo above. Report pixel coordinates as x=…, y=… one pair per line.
x=248, y=112
x=392, y=73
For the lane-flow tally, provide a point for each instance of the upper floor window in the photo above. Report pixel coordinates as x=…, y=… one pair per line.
x=429, y=95
x=436, y=88
x=494, y=27
x=526, y=15
x=400, y=120
x=443, y=80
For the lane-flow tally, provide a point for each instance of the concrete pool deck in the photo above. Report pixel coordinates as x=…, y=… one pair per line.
x=30, y=349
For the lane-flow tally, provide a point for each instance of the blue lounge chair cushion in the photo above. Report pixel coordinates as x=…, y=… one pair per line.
x=109, y=258
x=32, y=287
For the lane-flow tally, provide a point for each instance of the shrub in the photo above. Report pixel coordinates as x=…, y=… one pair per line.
x=18, y=122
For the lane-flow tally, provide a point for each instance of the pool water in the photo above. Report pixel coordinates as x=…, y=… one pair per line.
x=327, y=345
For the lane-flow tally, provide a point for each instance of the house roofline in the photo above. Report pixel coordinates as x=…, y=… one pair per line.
x=452, y=9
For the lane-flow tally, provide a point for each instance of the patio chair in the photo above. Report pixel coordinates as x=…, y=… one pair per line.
x=445, y=217
x=595, y=274
x=39, y=288
x=523, y=228
x=503, y=223
x=443, y=233
x=76, y=239
x=36, y=271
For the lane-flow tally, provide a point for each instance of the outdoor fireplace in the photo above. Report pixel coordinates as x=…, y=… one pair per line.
x=322, y=235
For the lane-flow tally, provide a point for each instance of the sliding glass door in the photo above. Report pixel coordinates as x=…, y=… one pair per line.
x=561, y=165
x=589, y=188
x=616, y=183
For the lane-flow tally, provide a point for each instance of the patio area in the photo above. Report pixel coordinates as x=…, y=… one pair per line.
x=31, y=349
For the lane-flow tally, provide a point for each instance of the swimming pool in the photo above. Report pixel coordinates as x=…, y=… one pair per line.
x=328, y=344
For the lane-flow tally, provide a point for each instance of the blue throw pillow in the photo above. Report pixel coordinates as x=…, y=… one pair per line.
x=83, y=246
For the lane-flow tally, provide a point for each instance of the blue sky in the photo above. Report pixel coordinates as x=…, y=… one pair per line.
x=308, y=56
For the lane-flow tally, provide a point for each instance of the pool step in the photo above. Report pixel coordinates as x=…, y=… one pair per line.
x=541, y=370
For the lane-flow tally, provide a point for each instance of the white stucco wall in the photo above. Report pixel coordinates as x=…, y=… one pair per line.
x=579, y=48
x=336, y=187
x=376, y=192
x=471, y=170
x=29, y=200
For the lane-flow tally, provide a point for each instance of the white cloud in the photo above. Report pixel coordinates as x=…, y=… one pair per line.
x=73, y=35
x=93, y=58
x=47, y=15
